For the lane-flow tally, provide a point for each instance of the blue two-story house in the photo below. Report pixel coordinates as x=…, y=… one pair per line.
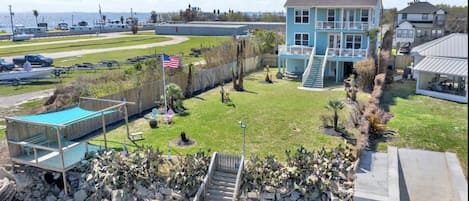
x=325, y=37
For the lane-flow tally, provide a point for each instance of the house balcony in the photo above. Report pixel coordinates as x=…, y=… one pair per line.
x=355, y=54
x=295, y=50
x=343, y=25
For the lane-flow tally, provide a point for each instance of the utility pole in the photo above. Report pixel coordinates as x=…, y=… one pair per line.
x=11, y=21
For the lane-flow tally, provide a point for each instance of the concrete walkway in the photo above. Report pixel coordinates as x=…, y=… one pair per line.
x=104, y=36
x=10, y=101
x=426, y=175
x=409, y=175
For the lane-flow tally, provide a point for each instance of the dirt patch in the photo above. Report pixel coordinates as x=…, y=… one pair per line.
x=330, y=131
x=180, y=143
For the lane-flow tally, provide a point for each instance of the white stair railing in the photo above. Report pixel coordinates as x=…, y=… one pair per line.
x=238, y=178
x=310, y=66
x=323, y=67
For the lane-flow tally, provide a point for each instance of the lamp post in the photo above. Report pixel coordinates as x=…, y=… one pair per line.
x=243, y=125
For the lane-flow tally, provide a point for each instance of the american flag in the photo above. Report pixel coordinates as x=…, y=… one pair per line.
x=170, y=61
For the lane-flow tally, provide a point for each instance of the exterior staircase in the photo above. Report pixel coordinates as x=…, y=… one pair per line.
x=315, y=79
x=222, y=180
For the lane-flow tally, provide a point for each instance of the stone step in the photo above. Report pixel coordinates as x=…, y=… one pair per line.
x=216, y=193
x=222, y=188
x=225, y=175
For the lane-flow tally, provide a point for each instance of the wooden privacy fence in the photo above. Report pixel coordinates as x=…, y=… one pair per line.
x=147, y=95
x=402, y=61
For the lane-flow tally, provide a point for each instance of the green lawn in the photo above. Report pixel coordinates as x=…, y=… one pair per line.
x=184, y=47
x=52, y=39
x=278, y=117
x=95, y=44
x=426, y=123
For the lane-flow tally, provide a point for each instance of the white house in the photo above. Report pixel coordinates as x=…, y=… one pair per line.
x=427, y=20
x=441, y=68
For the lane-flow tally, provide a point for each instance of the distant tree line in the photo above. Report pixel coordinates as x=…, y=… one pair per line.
x=456, y=18
x=196, y=14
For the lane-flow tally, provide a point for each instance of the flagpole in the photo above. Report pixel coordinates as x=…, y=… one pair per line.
x=166, y=107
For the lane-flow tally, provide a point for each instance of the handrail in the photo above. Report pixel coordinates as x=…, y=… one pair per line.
x=323, y=66
x=310, y=66
x=203, y=187
x=238, y=178
x=34, y=146
x=350, y=25
x=347, y=52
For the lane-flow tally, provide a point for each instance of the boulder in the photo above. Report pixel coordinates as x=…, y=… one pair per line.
x=117, y=195
x=23, y=181
x=80, y=195
x=51, y=198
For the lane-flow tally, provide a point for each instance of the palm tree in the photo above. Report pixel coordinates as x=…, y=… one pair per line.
x=335, y=105
x=36, y=14
x=174, y=96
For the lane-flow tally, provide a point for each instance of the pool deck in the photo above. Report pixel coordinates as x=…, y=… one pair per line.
x=50, y=160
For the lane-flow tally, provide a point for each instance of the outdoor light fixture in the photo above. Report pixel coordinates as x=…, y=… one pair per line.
x=243, y=126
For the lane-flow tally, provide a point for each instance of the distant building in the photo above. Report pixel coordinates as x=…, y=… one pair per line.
x=201, y=29
x=441, y=68
x=420, y=22
x=36, y=31
x=273, y=26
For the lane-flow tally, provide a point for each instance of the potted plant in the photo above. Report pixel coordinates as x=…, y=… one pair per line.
x=153, y=123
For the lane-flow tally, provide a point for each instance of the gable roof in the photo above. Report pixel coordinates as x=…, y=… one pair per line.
x=452, y=46
x=419, y=8
x=335, y=3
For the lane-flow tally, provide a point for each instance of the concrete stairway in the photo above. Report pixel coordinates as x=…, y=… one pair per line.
x=315, y=79
x=409, y=174
x=222, y=186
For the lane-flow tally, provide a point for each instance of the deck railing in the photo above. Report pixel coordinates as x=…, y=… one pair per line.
x=203, y=189
x=295, y=49
x=323, y=67
x=310, y=66
x=344, y=52
x=227, y=163
x=343, y=25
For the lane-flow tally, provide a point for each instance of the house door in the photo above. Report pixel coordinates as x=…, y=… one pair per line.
x=334, y=41
x=349, y=18
x=348, y=69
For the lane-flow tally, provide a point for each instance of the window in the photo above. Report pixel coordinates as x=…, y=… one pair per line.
x=404, y=16
x=302, y=16
x=353, y=41
x=302, y=39
x=330, y=15
x=365, y=15
x=424, y=16
x=405, y=33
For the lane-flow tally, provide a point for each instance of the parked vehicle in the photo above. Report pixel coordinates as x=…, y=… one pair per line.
x=22, y=37
x=16, y=76
x=5, y=66
x=405, y=48
x=34, y=59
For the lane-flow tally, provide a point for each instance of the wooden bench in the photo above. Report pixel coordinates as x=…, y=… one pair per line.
x=136, y=136
x=39, y=139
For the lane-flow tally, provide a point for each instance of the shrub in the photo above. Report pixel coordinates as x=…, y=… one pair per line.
x=366, y=73
x=189, y=172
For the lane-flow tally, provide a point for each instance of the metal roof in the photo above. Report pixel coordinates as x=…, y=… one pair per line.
x=419, y=8
x=329, y=3
x=442, y=65
x=453, y=45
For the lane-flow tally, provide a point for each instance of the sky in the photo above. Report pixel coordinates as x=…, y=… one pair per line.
x=168, y=5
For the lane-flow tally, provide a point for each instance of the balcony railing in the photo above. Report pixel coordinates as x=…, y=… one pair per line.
x=343, y=25
x=343, y=52
x=295, y=50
